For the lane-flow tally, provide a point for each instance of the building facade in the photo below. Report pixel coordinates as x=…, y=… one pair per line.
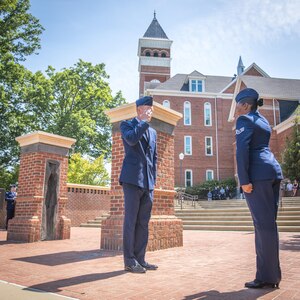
x=206, y=134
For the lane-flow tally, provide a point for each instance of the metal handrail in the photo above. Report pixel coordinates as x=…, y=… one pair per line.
x=181, y=196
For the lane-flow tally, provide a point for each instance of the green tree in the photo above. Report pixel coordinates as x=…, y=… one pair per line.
x=291, y=155
x=19, y=30
x=19, y=37
x=72, y=103
x=87, y=171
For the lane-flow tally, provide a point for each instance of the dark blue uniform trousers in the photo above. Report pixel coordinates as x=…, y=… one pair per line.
x=263, y=205
x=138, y=205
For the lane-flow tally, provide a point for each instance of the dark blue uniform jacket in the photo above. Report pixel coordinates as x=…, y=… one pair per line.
x=10, y=198
x=139, y=165
x=255, y=161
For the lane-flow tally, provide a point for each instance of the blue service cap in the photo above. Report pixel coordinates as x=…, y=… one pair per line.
x=146, y=100
x=249, y=94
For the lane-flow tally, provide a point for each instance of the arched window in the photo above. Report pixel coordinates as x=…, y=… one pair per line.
x=207, y=114
x=155, y=81
x=187, y=113
x=155, y=54
x=148, y=53
x=163, y=54
x=166, y=103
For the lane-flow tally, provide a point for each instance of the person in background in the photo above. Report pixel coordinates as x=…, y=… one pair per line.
x=295, y=187
x=10, y=198
x=289, y=188
x=260, y=176
x=209, y=196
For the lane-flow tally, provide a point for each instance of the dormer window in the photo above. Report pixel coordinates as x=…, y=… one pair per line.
x=155, y=54
x=196, y=85
x=163, y=55
x=148, y=53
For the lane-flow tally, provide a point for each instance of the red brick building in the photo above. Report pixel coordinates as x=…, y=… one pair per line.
x=205, y=135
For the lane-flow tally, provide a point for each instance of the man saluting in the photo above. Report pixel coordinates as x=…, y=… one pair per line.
x=137, y=178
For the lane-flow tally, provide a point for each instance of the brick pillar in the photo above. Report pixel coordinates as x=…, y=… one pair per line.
x=165, y=230
x=39, y=152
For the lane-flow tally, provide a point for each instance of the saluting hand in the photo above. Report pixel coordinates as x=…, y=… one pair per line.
x=145, y=114
x=247, y=188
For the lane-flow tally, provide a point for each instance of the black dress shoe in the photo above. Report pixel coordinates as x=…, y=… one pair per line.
x=149, y=266
x=135, y=269
x=257, y=284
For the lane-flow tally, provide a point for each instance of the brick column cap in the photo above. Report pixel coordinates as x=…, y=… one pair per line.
x=45, y=138
x=87, y=186
x=128, y=111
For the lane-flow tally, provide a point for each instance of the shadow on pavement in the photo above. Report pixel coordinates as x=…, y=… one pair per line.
x=59, y=285
x=245, y=294
x=62, y=258
x=293, y=244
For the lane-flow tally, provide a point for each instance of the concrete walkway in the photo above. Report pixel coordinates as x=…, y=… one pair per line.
x=210, y=265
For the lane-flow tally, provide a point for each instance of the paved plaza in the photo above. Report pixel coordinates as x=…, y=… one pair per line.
x=210, y=265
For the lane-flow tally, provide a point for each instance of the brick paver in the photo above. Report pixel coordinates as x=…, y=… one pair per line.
x=210, y=265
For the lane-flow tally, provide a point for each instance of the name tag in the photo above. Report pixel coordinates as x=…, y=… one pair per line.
x=238, y=131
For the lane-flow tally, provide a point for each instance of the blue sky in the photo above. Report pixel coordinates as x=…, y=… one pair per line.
x=208, y=36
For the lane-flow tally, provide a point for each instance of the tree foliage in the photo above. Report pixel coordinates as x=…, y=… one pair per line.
x=19, y=30
x=19, y=37
x=87, y=171
x=291, y=155
x=70, y=102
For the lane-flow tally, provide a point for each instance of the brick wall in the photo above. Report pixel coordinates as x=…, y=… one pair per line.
x=149, y=73
x=26, y=225
x=199, y=162
x=281, y=141
x=86, y=203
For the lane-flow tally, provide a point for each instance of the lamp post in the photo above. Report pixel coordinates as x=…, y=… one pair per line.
x=181, y=157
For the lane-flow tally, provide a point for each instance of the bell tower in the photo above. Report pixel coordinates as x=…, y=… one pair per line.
x=154, y=52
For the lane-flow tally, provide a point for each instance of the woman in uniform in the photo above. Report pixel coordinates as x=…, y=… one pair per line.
x=259, y=175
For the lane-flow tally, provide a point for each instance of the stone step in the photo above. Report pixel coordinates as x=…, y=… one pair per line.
x=235, y=215
x=237, y=218
x=237, y=223
x=236, y=228
x=246, y=212
x=90, y=225
x=96, y=223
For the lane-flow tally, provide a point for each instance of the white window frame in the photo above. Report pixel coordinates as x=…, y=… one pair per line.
x=166, y=103
x=187, y=105
x=185, y=179
x=212, y=173
x=207, y=105
x=197, y=83
x=211, y=141
x=185, y=144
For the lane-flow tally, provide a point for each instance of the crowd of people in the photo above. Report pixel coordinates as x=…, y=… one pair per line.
x=219, y=193
x=290, y=188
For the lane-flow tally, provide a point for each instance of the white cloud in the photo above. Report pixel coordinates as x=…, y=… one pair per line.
x=213, y=45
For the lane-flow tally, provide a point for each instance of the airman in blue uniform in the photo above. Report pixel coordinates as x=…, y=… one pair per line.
x=259, y=175
x=138, y=176
x=10, y=198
